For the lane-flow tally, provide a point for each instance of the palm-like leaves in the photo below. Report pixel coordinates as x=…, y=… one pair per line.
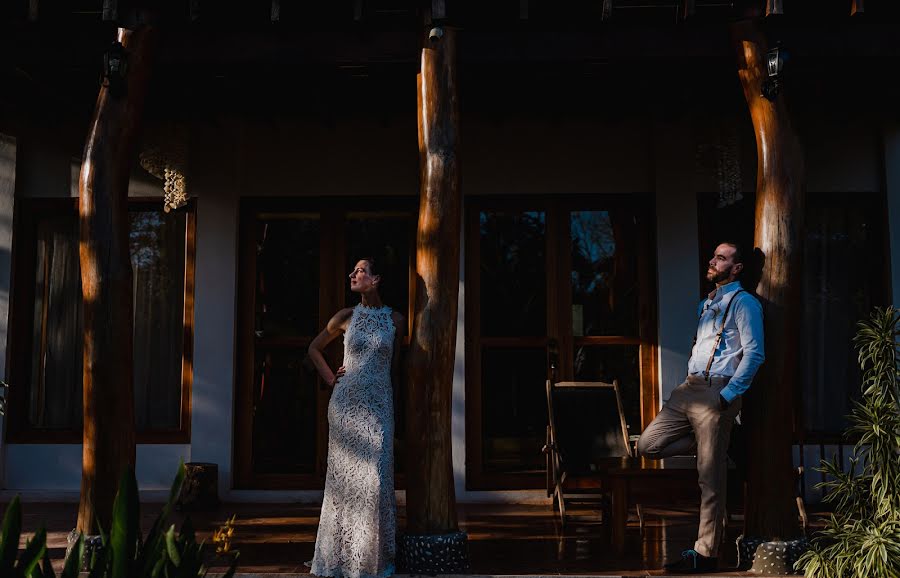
x=862, y=537
x=164, y=553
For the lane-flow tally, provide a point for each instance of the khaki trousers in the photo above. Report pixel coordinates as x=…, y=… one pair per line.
x=690, y=422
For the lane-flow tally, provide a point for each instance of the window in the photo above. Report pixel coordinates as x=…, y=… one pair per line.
x=845, y=274
x=567, y=282
x=46, y=373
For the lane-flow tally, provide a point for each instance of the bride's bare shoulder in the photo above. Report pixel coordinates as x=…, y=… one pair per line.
x=399, y=322
x=341, y=319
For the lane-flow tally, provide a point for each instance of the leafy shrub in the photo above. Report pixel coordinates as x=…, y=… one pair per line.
x=862, y=536
x=163, y=553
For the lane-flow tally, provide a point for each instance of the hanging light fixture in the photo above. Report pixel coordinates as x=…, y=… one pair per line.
x=774, y=67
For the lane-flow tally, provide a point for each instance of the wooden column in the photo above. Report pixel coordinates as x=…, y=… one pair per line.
x=768, y=408
x=430, y=494
x=106, y=283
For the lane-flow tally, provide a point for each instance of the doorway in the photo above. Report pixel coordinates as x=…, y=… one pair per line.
x=294, y=259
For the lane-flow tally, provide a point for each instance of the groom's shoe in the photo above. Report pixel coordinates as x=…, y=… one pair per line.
x=692, y=562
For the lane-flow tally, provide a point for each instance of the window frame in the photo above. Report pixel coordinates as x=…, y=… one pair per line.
x=22, y=295
x=558, y=316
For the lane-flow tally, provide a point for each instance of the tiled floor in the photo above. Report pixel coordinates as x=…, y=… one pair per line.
x=503, y=539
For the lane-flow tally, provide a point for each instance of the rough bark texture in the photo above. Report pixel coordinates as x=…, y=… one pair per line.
x=106, y=285
x=768, y=408
x=431, y=503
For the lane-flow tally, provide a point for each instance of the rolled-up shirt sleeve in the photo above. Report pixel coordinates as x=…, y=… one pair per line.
x=749, y=319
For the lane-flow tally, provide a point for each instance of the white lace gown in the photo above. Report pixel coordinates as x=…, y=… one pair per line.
x=357, y=526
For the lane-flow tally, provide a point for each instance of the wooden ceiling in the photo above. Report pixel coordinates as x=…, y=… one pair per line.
x=359, y=55
x=464, y=13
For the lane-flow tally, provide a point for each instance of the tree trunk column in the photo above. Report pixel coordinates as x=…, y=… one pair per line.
x=106, y=283
x=433, y=543
x=771, y=512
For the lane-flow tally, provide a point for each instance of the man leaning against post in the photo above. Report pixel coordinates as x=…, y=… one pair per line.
x=699, y=414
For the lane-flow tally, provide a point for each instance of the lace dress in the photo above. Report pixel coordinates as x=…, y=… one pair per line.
x=356, y=536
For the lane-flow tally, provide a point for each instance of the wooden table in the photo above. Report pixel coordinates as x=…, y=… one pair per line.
x=640, y=481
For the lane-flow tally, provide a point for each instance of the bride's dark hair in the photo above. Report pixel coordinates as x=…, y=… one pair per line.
x=374, y=269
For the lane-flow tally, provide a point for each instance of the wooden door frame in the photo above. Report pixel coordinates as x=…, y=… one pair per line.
x=331, y=212
x=557, y=256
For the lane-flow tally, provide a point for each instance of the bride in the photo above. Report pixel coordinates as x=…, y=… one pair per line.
x=356, y=536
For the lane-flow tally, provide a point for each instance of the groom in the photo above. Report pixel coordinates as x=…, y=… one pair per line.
x=698, y=416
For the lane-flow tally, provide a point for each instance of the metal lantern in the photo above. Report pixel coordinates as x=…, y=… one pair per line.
x=774, y=63
x=115, y=68
x=774, y=66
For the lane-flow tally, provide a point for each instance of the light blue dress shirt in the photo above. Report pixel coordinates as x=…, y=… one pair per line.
x=742, y=349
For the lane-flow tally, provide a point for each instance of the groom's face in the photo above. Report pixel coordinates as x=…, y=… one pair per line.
x=722, y=268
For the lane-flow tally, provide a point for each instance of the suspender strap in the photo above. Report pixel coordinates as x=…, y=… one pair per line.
x=712, y=355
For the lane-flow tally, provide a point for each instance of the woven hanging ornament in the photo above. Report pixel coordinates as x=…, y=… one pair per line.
x=166, y=158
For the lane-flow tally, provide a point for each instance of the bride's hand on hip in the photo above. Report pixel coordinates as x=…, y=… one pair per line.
x=338, y=374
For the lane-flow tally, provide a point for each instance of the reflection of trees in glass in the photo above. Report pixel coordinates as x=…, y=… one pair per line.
x=603, y=273
x=593, y=248
x=513, y=276
x=156, y=241
x=149, y=249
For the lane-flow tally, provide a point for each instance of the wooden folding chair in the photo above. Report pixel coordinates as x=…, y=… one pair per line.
x=583, y=458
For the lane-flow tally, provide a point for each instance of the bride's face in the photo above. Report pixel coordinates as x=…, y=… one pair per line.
x=361, y=279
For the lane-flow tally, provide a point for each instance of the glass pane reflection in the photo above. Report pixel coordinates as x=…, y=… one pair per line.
x=157, y=243
x=604, y=273
x=513, y=274
x=284, y=413
x=287, y=276
x=514, y=409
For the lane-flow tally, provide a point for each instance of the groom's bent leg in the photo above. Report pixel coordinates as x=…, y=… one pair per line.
x=669, y=434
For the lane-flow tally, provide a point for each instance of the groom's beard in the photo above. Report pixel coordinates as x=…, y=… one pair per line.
x=718, y=276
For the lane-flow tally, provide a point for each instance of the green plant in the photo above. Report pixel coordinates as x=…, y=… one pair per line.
x=27, y=565
x=162, y=554
x=862, y=536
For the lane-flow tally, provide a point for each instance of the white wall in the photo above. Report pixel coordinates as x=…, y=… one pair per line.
x=215, y=173
x=677, y=246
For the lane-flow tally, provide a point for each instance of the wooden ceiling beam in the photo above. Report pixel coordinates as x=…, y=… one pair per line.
x=110, y=10
x=606, y=10
x=438, y=9
x=689, y=8
x=857, y=7
x=774, y=7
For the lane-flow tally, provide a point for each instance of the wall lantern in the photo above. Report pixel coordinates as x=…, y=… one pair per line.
x=115, y=67
x=774, y=66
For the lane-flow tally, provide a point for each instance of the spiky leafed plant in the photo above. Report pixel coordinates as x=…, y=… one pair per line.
x=862, y=536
